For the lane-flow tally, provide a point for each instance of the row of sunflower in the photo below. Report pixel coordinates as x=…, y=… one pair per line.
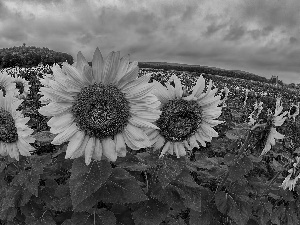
x=104, y=108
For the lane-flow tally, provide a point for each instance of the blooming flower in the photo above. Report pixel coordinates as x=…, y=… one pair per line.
x=100, y=109
x=277, y=120
x=288, y=182
x=224, y=96
x=6, y=84
x=14, y=134
x=185, y=121
x=22, y=85
x=45, y=82
x=246, y=97
x=255, y=113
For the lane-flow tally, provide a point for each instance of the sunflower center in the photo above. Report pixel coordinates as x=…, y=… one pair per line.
x=8, y=130
x=101, y=111
x=179, y=120
x=20, y=86
x=3, y=90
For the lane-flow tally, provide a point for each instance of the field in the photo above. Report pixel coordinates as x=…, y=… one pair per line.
x=229, y=181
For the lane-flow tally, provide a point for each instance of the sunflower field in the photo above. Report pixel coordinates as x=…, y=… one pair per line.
x=107, y=143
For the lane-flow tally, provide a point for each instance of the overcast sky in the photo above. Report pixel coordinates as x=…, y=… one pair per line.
x=258, y=36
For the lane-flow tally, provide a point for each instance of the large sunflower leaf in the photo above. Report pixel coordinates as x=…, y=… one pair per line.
x=86, y=180
x=121, y=188
x=30, y=178
x=152, y=212
x=99, y=216
x=169, y=171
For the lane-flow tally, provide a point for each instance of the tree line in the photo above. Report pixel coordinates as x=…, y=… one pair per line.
x=28, y=56
x=207, y=70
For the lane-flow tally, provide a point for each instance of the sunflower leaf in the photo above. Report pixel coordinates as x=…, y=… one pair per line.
x=98, y=216
x=86, y=180
x=169, y=171
x=121, y=188
x=203, y=218
x=152, y=212
x=29, y=179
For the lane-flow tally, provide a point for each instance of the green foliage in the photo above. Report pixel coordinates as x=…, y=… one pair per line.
x=226, y=182
x=86, y=180
x=27, y=56
x=121, y=188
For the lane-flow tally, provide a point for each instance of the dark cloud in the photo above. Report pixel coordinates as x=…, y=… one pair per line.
x=213, y=28
x=271, y=12
x=294, y=40
x=189, y=12
x=255, y=36
x=258, y=33
x=235, y=33
x=3, y=11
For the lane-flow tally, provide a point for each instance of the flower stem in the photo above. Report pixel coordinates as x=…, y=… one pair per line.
x=240, y=152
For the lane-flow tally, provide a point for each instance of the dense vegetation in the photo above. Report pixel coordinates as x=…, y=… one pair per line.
x=28, y=56
x=226, y=182
x=207, y=70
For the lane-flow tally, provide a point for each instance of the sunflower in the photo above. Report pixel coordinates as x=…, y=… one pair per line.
x=185, y=121
x=290, y=182
x=277, y=120
x=45, y=82
x=224, y=96
x=6, y=84
x=255, y=113
x=14, y=134
x=22, y=85
x=294, y=111
x=100, y=109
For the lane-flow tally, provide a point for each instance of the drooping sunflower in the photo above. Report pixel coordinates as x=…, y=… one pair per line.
x=15, y=135
x=185, y=121
x=22, y=85
x=100, y=109
x=6, y=84
x=291, y=180
x=277, y=120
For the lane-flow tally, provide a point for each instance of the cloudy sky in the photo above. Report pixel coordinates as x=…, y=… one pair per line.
x=258, y=36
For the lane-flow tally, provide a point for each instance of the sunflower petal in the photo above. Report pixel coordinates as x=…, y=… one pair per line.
x=122, y=70
x=74, y=143
x=65, y=135
x=89, y=149
x=109, y=149
x=97, y=66
x=97, y=154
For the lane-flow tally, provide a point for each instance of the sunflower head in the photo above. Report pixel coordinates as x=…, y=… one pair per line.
x=101, y=111
x=294, y=111
x=6, y=84
x=185, y=120
x=15, y=136
x=180, y=119
x=8, y=130
x=101, y=108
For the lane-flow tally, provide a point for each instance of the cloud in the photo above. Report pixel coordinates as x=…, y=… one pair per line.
x=294, y=40
x=213, y=28
x=256, y=36
x=271, y=13
x=235, y=33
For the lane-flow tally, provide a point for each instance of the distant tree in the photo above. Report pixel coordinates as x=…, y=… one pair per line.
x=292, y=85
x=31, y=56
